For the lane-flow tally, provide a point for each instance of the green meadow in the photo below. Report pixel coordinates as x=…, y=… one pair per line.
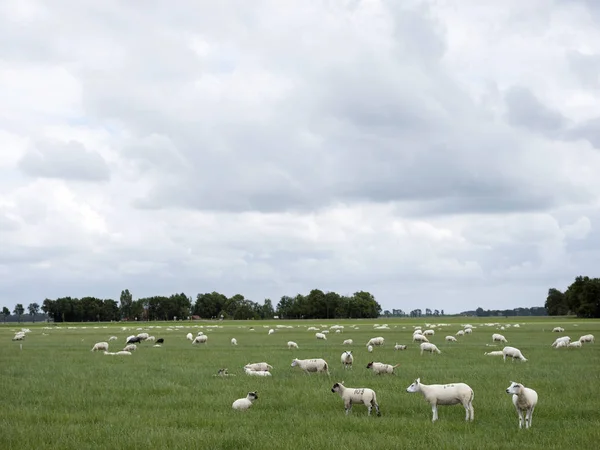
x=57, y=394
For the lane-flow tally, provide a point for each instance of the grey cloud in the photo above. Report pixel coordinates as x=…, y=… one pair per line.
x=525, y=110
x=588, y=130
x=70, y=161
x=586, y=67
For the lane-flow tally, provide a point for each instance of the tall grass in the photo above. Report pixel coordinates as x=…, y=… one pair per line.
x=57, y=394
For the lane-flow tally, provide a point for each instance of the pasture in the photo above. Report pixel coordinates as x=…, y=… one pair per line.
x=57, y=394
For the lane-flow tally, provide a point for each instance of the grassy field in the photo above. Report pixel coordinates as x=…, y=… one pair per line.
x=57, y=394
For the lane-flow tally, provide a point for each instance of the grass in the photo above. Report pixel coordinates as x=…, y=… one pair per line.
x=56, y=394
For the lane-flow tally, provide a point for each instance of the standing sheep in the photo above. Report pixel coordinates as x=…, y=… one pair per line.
x=376, y=341
x=347, y=360
x=233, y=341
x=587, y=338
x=446, y=394
x=399, y=347
x=321, y=336
x=365, y=396
x=311, y=365
x=292, y=344
x=498, y=338
x=100, y=346
x=524, y=399
x=379, y=368
x=513, y=353
x=242, y=404
x=348, y=342
x=420, y=338
x=200, y=339
x=429, y=347
x=450, y=339
x=558, y=329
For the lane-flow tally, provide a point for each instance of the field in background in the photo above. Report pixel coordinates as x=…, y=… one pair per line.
x=57, y=394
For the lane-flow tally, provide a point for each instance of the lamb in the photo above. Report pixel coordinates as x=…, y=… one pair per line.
x=446, y=394
x=261, y=366
x=233, y=341
x=370, y=349
x=189, y=337
x=587, y=338
x=292, y=344
x=558, y=330
x=399, y=347
x=420, y=338
x=160, y=341
x=576, y=344
x=348, y=342
x=451, y=339
x=242, y=404
x=347, y=360
x=311, y=365
x=429, y=347
x=320, y=336
x=376, y=341
x=130, y=348
x=257, y=373
x=379, y=368
x=495, y=353
x=365, y=396
x=271, y=331
x=223, y=373
x=200, y=339
x=460, y=333
x=498, y=338
x=100, y=346
x=513, y=353
x=524, y=399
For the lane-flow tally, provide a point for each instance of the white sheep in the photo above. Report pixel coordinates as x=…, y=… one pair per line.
x=428, y=333
x=446, y=394
x=189, y=337
x=370, y=349
x=365, y=396
x=348, y=342
x=242, y=404
x=263, y=366
x=257, y=373
x=347, y=360
x=112, y=338
x=100, y=346
x=320, y=336
x=376, y=341
x=524, y=399
x=498, y=338
x=587, y=338
x=233, y=341
x=143, y=336
x=420, y=338
x=495, y=353
x=292, y=344
x=130, y=347
x=429, y=347
x=311, y=365
x=150, y=339
x=468, y=330
x=200, y=339
x=399, y=347
x=451, y=339
x=561, y=342
x=558, y=329
x=513, y=353
x=123, y=353
x=460, y=333
x=576, y=344
x=379, y=368
x=271, y=331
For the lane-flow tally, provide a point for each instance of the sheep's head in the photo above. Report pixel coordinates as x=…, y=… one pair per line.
x=415, y=386
x=252, y=396
x=514, y=388
x=294, y=362
x=370, y=365
x=337, y=387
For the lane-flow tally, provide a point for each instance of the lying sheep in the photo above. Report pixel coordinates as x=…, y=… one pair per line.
x=365, y=396
x=100, y=346
x=292, y=344
x=260, y=366
x=513, y=353
x=130, y=348
x=223, y=373
x=347, y=360
x=200, y=339
x=399, y=347
x=446, y=394
x=348, y=342
x=495, y=353
x=242, y=404
x=379, y=368
x=257, y=373
x=451, y=339
x=429, y=347
x=524, y=399
x=123, y=353
x=311, y=365
x=420, y=338
x=498, y=338
x=587, y=338
x=376, y=341
x=233, y=341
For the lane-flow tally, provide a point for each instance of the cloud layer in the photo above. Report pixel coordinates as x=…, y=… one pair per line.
x=437, y=154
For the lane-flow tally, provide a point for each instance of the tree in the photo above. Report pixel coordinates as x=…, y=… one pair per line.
x=19, y=310
x=267, y=309
x=582, y=297
x=126, y=300
x=5, y=313
x=33, y=309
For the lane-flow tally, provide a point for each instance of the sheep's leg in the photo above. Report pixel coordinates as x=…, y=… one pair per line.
x=348, y=408
x=435, y=412
x=472, y=411
x=520, y=413
x=377, y=408
x=467, y=411
x=529, y=417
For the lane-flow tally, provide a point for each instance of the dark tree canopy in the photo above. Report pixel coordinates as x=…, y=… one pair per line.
x=582, y=298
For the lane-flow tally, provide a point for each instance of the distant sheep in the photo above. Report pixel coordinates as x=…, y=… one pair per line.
x=379, y=368
x=513, y=353
x=370, y=349
x=189, y=337
x=143, y=336
x=242, y=404
x=321, y=336
x=311, y=365
x=271, y=331
x=292, y=344
x=112, y=338
x=261, y=366
x=428, y=333
x=376, y=341
x=200, y=339
x=460, y=333
x=451, y=339
x=130, y=348
x=160, y=341
x=468, y=330
x=445, y=394
x=420, y=338
x=100, y=346
x=576, y=344
x=233, y=341
x=561, y=342
x=399, y=347
x=498, y=338
x=348, y=342
x=347, y=360
x=558, y=329
x=365, y=396
x=587, y=338
x=257, y=373
x=429, y=347
x=525, y=400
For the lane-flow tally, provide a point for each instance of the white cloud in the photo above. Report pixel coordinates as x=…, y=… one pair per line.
x=436, y=154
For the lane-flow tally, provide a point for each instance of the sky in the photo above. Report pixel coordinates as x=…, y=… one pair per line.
x=438, y=154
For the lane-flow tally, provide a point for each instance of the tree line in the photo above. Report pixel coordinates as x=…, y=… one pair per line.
x=581, y=298
x=214, y=305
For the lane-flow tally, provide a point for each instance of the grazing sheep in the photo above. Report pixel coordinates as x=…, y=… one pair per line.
x=379, y=368
x=468, y=330
x=160, y=341
x=200, y=333
x=320, y=336
x=365, y=396
x=558, y=329
x=495, y=353
x=18, y=337
x=134, y=340
x=189, y=337
x=242, y=404
x=429, y=347
x=498, y=338
x=399, y=347
x=143, y=336
x=428, y=333
x=370, y=349
x=100, y=346
x=587, y=338
x=311, y=365
x=271, y=331
x=130, y=348
x=257, y=373
x=129, y=337
x=348, y=342
x=292, y=344
x=150, y=339
x=347, y=359
x=376, y=341
x=261, y=366
x=112, y=338
x=200, y=339
x=420, y=338
x=561, y=342
x=513, y=353
x=460, y=333
x=233, y=341
x=524, y=399
x=446, y=394
x=576, y=344
x=451, y=339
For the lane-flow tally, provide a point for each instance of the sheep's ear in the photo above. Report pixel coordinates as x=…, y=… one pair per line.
x=342, y=382
x=418, y=380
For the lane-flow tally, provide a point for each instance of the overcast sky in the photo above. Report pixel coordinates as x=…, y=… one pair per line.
x=438, y=154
